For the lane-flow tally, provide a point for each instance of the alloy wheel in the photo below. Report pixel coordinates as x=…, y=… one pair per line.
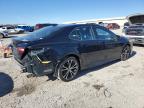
x=125, y=53
x=68, y=69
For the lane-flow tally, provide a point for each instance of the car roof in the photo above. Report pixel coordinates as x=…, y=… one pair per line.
x=22, y=25
x=75, y=25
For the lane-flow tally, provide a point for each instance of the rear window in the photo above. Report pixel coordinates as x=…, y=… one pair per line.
x=44, y=32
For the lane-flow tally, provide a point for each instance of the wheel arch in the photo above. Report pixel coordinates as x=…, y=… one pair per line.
x=74, y=55
x=55, y=74
x=127, y=44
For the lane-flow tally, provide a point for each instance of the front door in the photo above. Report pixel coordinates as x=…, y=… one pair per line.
x=112, y=45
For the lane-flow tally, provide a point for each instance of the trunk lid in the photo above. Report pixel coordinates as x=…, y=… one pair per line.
x=136, y=27
x=136, y=19
x=20, y=45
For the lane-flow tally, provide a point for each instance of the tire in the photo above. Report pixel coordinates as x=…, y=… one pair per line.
x=126, y=52
x=1, y=36
x=68, y=69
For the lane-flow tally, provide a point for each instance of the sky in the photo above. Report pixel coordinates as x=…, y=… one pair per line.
x=59, y=11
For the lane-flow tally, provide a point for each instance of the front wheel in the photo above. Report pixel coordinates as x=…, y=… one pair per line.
x=68, y=69
x=126, y=52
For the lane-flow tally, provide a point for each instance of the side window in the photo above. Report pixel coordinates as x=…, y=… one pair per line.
x=86, y=33
x=81, y=33
x=102, y=34
x=75, y=35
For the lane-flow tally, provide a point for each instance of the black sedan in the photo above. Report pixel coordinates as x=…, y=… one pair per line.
x=64, y=50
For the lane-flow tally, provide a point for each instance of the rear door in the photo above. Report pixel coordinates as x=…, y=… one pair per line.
x=112, y=45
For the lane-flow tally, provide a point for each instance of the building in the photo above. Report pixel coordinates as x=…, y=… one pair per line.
x=118, y=20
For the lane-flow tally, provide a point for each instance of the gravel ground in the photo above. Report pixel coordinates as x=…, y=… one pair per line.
x=115, y=85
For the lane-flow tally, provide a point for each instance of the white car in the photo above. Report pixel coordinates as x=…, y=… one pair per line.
x=13, y=30
x=135, y=32
x=3, y=33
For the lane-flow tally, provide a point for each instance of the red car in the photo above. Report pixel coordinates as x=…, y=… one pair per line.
x=39, y=26
x=113, y=26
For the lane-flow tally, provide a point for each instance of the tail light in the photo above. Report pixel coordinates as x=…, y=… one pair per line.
x=21, y=50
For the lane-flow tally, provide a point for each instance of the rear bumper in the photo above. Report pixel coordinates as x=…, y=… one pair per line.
x=35, y=67
x=19, y=64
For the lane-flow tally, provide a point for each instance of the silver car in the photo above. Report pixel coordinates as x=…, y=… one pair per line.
x=135, y=32
x=3, y=34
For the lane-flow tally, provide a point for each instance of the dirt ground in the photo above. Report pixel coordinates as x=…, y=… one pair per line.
x=115, y=85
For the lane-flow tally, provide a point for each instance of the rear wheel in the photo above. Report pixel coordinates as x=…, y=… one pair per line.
x=126, y=52
x=68, y=69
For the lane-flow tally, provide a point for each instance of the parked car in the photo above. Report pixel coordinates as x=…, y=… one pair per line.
x=135, y=32
x=3, y=33
x=13, y=30
x=64, y=50
x=39, y=26
x=26, y=28
x=112, y=26
x=126, y=25
x=101, y=24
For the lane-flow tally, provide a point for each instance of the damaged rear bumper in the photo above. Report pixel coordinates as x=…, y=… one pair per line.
x=35, y=66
